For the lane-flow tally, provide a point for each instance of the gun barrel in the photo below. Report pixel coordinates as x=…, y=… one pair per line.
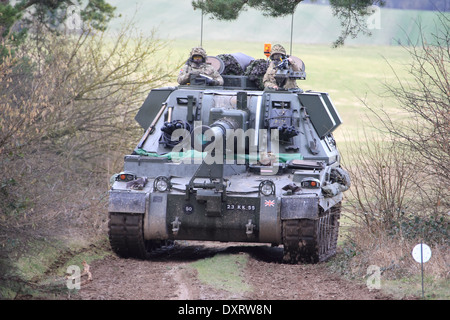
x=202, y=136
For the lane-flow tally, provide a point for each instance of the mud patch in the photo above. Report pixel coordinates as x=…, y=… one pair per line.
x=170, y=276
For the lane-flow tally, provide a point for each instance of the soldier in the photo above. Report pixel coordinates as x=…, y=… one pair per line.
x=196, y=65
x=277, y=55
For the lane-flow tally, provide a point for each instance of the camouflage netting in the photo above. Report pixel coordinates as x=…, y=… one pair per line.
x=256, y=70
x=232, y=66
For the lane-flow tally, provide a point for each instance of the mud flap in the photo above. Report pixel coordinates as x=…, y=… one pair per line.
x=155, y=224
x=127, y=202
x=299, y=208
x=269, y=222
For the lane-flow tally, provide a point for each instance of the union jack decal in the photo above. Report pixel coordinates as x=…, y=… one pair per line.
x=269, y=203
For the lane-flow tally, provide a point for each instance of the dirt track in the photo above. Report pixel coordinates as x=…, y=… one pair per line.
x=168, y=277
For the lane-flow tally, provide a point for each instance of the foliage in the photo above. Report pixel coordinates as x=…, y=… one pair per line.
x=390, y=193
x=431, y=229
x=19, y=17
x=98, y=13
x=72, y=104
x=229, y=10
x=351, y=13
x=424, y=103
x=400, y=178
x=53, y=13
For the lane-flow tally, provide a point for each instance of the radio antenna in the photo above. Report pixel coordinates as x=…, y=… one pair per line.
x=292, y=30
x=201, y=31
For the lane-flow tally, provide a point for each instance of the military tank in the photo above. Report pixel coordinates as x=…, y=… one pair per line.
x=235, y=163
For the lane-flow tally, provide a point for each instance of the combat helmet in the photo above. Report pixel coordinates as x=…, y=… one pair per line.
x=198, y=51
x=277, y=48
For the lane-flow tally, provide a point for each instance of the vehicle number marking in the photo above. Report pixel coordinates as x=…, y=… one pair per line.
x=242, y=207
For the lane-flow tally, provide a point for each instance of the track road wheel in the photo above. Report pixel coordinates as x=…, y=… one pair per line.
x=126, y=236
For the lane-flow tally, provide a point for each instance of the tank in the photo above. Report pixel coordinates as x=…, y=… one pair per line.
x=235, y=163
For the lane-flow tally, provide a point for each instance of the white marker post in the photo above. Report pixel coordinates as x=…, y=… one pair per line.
x=421, y=253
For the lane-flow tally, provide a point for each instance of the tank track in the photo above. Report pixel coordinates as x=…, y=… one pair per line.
x=311, y=241
x=126, y=237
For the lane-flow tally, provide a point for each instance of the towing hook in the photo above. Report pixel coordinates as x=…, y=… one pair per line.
x=176, y=226
x=249, y=228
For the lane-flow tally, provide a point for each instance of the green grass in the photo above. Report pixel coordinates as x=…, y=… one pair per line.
x=434, y=289
x=41, y=264
x=36, y=258
x=40, y=255
x=223, y=272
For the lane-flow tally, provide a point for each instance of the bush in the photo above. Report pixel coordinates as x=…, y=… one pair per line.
x=391, y=194
x=64, y=116
x=401, y=177
x=414, y=227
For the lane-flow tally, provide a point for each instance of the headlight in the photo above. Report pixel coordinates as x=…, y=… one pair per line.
x=310, y=183
x=161, y=184
x=126, y=176
x=267, y=187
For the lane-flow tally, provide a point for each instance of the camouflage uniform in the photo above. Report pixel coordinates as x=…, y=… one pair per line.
x=269, y=78
x=193, y=68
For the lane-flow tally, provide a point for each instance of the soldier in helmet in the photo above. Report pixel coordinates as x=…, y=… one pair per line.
x=196, y=65
x=277, y=55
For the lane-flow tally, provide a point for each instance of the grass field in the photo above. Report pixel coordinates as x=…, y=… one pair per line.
x=313, y=24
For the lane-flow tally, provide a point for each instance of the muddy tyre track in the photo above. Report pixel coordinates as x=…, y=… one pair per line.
x=169, y=277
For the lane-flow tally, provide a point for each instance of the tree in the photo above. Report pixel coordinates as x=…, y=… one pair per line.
x=425, y=102
x=230, y=9
x=17, y=17
x=352, y=13
x=400, y=179
x=67, y=100
x=66, y=123
x=82, y=92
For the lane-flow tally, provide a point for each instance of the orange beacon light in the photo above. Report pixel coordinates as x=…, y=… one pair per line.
x=267, y=49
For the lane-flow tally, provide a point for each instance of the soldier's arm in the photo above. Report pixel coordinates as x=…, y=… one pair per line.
x=214, y=74
x=269, y=78
x=184, y=75
x=218, y=78
x=294, y=65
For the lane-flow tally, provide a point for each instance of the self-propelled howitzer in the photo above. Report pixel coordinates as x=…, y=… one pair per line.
x=231, y=163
